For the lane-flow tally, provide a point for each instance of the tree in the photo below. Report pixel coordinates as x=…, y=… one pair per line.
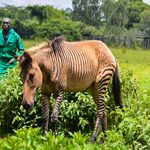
x=37, y=11
x=87, y=11
x=134, y=9
x=145, y=22
x=115, y=12
x=17, y=13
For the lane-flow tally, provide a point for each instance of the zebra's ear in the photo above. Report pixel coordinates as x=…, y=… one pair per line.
x=48, y=42
x=27, y=56
x=24, y=59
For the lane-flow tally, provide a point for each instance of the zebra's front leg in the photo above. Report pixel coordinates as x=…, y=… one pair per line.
x=54, y=115
x=45, y=113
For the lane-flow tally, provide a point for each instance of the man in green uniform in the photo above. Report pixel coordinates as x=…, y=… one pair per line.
x=11, y=47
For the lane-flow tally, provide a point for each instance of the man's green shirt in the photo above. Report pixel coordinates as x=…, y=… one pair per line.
x=13, y=46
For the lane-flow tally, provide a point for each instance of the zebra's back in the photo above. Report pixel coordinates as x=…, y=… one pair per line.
x=81, y=60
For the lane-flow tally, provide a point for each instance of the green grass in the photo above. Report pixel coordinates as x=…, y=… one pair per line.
x=32, y=43
x=136, y=60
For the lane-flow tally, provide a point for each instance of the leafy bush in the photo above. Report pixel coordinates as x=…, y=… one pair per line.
x=78, y=112
x=57, y=27
x=128, y=128
x=32, y=139
x=12, y=115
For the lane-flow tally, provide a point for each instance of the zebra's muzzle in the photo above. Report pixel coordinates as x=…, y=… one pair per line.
x=28, y=106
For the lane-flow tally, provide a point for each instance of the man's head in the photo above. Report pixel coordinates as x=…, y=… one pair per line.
x=6, y=24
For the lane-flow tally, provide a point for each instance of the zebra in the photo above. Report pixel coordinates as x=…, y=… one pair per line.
x=60, y=66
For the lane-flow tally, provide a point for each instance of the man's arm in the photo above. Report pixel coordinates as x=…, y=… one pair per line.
x=20, y=46
x=20, y=49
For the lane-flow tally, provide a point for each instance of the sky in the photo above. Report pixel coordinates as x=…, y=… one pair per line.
x=147, y=1
x=60, y=4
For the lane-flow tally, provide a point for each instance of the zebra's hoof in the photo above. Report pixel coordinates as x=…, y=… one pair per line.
x=93, y=139
x=101, y=141
x=44, y=133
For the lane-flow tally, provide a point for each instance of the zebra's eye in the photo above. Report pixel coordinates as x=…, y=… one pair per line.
x=31, y=77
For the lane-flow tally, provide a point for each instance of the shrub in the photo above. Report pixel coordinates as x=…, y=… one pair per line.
x=128, y=128
x=32, y=139
x=78, y=112
x=12, y=115
x=57, y=27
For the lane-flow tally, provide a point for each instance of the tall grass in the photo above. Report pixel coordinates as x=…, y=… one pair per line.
x=136, y=60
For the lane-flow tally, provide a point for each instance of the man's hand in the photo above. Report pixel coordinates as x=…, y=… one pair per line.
x=12, y=61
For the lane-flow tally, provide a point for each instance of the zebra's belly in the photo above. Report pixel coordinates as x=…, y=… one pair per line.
x=80, y=84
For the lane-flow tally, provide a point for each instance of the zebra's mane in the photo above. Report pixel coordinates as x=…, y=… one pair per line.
x=56, y=43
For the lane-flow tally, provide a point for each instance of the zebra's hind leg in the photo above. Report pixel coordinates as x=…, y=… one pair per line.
x=104, y=127
x=100, y=114
x=98, y=96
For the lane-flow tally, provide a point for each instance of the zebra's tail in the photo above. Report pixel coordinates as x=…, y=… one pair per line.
x=116, y=88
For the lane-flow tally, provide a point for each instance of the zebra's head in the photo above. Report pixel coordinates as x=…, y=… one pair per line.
x=31, y=77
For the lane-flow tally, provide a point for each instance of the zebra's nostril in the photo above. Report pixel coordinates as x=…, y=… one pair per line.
x=26, y=106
